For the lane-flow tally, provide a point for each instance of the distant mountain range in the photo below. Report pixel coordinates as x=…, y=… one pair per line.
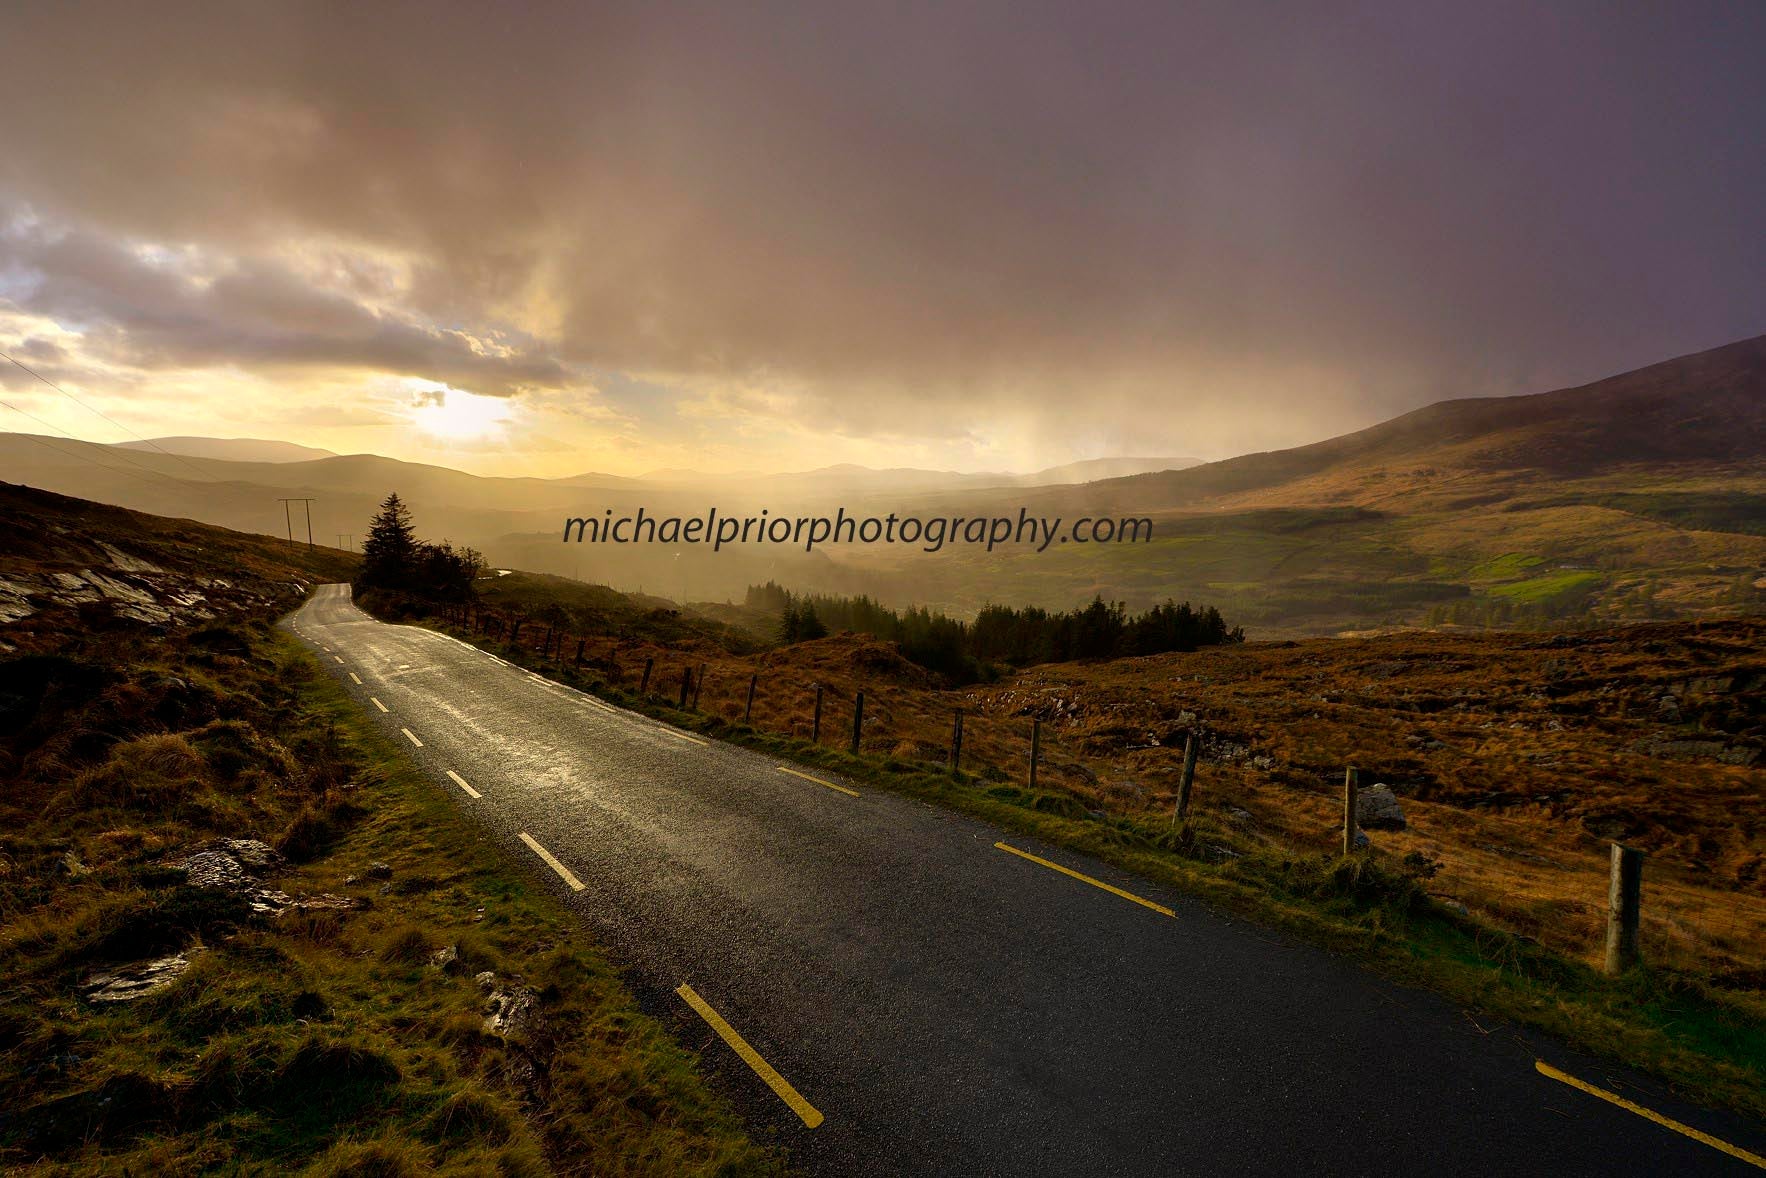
x=1640, y=495
x=230, y=449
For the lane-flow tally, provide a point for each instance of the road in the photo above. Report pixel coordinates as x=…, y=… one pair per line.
x=927, y=1002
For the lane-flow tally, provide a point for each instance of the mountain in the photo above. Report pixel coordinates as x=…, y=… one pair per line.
x=1093, y=469
x=1705, y=411
x=1641, y=495
x=230, y=449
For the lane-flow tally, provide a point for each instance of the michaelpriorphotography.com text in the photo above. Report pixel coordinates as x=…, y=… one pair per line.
x=930, y=533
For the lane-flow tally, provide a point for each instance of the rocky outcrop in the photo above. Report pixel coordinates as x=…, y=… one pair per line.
x=125, y=983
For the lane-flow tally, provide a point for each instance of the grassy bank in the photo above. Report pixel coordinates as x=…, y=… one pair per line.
x=347, y=1033
x=1707, y=1039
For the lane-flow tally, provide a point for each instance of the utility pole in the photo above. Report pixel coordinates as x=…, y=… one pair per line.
x=308, y=506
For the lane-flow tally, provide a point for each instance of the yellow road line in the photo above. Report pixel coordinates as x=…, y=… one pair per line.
x=576, y=885
x=377, y=703
x=461, y=782
x=817, y=780
x=339, y=660
x=682, y=735
x=1734, y=1151
x=780, y=1086
x=357, y=678
x=412, y=737
x=1096, y=883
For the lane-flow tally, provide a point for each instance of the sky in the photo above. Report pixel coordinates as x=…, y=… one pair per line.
x=551, y=239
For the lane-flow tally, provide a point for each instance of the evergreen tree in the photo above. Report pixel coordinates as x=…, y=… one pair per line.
x=809, y=626
x=389, y=554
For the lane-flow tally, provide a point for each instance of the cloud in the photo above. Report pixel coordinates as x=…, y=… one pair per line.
x=1208, y=227
x=147, y=308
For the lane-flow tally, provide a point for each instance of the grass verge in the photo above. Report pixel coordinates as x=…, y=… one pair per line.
x=327, y=1039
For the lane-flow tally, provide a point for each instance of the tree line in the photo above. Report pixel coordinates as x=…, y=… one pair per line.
x=394, y=559
x=967, y=651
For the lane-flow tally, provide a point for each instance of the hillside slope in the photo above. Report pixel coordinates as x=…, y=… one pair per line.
x=1705, y=411
x=1639, y=496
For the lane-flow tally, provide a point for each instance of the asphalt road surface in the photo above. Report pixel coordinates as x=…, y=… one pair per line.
x=887, y=990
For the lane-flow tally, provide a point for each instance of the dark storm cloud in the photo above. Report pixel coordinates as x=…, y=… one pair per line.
x=1239, y=221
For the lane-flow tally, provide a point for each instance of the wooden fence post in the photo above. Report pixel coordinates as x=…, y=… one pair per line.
x=1624, y=899
x=1035, y=747
x=644, y=684
x=1183, y=783
x=748, y=711
x=815, y=727
x=858, y=719
x=1351, y=821
x=956, y=743
x=686, y=685
x=580, y=643
x=698, y=687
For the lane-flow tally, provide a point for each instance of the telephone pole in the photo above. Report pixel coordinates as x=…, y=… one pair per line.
x=307, y=505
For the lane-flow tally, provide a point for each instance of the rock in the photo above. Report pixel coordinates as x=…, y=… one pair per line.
x=252, y=854
x=326, y=902
x=515, y=1014
x=129, y=982
x=223, y=863
x=379, y=870
x=1238, y=815
x=1454, y=906
x=214, y=869
x=445, y=957
x=487, y=981
x=1361, y=839
x=1377, y=808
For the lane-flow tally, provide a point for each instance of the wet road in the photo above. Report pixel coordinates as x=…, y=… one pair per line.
x=890, y=991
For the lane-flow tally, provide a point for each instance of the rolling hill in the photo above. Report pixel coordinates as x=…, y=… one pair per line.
x=230, y=449
x=1639, y=496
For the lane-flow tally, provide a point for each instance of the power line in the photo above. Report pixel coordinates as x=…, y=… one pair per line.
x=206, y=476
x=139, y=472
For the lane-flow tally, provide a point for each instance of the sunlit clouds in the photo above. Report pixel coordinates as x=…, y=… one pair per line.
x=612, y=237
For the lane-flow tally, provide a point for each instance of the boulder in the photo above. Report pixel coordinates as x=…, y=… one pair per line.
x=1377, y=808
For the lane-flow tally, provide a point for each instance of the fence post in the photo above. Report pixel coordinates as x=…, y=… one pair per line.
x=698, y=687
x=1035, y=747
x=686, y=685
x=956, y=743
x=858, y=719
x=1189, y=775
x=580, y=643
x=815, y=727
x=1351, y=821
x=1624, y=899
x=644, y=685
x=748, y=711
